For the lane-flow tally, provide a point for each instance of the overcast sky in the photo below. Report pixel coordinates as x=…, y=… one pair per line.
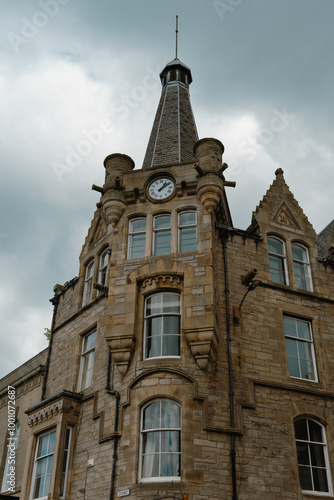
x=79, y=80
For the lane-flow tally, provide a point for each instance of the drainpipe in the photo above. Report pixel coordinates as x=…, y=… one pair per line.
x=224, y=236
x=55, y=302
x=114, y=456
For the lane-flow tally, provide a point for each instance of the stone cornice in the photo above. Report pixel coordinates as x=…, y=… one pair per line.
x=62, y=402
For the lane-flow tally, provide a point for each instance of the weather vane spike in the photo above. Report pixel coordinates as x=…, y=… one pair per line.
x=177, y=32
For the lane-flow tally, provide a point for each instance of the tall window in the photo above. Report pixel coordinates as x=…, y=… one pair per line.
x=10, y=457
x=300, y=348
x=277, y=261
x=88, y=282
x=43, y=465
x=313, y=465
x=103, y=268
x=162, y=233
x=87, y=360
x=137, y=238
x=64, y=467
x=301, y=267
x=160, y=441
x=162, y=325
x=187, y=231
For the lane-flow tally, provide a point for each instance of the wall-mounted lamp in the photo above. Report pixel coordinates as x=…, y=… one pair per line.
x=251, y=284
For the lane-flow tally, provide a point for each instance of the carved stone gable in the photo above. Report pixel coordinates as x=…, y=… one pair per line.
x=284, y=215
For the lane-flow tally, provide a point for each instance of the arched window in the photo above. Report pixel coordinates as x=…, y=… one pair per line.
x=312, y=456
x=88, y=282
x=277, y=261
x=103, y=267
x=13, y=442
x=137, y=238
x=160, y=446
x=162, y=325
x=187, y=231
x=301, y=267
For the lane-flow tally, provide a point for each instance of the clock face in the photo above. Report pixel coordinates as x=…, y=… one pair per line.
x=161, y=189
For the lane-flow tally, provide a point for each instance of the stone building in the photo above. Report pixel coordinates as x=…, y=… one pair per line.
x=189, y=359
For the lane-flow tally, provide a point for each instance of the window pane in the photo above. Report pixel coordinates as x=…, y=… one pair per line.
x=317, y=455
x=171, y=325
x=162, y=222
x=171, y=345
x=151, y=442
x=306, y=369
x=293, y=366
x=303, y=453
x=162, y=241
x=291, y=348
x=290, y=327
x=277, y=269
x=153, y=347
x=305, y=478
x=52, y=442
x=188, y=239
x=43, y=446
x=137, y=245
x=170, y=441
x=170, y=415
x=152, y=416
x=303, y=330
x=171, y=303
x=170, y=464
x=301, y=430
x=154, y=304
x=320, y=479
x=275, y=246
x=187, y=218
x=150, y=466
x=154, y=326
x=301, y=275
x=138, y=225
x=315, y=432
x=299, y=253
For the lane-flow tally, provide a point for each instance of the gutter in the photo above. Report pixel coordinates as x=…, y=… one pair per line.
x=114, y=456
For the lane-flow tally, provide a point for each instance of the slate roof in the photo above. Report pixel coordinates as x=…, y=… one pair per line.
x=174, y=131
x=325, y=240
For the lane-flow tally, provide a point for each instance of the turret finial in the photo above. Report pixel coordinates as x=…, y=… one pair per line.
x=176, y=35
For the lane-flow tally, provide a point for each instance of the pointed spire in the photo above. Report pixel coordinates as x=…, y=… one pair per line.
x=174, y=131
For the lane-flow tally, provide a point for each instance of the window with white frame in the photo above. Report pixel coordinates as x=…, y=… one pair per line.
x=103, y=267
x=66, y=456
x=42, y=465
x=88, y=282
x=87, y=360
x=300, y=349
x=162, y=326
x=137, y=238
x=160, y=446
x=13, y=441
x=277, y=260
x=187, y=231
x=162, y=234
x=301, y=266
x=312, y=457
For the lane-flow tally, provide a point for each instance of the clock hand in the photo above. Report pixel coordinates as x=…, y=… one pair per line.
x=163, y=186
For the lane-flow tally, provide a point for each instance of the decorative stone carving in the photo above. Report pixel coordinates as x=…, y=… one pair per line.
x=165, y=278
x=122, y=348
x=51, y=409
x=210, y=191
x=203, y=345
